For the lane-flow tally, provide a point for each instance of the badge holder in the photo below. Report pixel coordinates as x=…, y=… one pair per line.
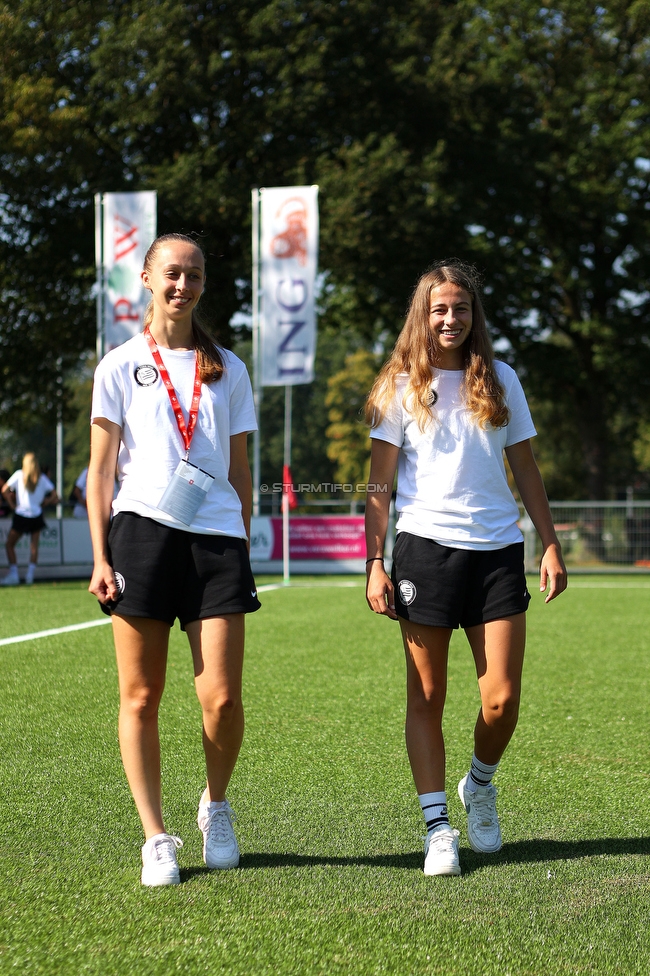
x=185, y=492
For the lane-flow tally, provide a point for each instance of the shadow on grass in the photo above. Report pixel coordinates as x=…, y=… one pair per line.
x=520, y=852
x=530, y=851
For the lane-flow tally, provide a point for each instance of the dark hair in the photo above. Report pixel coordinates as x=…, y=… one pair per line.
x=208, y=354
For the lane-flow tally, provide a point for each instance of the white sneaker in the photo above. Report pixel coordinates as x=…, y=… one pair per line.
x=483, y=827
x=220, y=848
x=29, y=575
x=11, y=579
x=159, y=864
x=441, y=851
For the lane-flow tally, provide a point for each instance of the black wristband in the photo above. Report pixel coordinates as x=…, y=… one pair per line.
x=374, y=559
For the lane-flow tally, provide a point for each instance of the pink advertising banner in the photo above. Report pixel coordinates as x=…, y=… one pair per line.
x=319, y=537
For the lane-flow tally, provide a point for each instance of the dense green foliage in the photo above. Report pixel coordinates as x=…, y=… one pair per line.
x=510, y=134
x=328, y=822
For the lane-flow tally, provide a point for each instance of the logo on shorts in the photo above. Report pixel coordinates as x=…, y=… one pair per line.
x=407, y=592
x=120, y=582
x=145, y=375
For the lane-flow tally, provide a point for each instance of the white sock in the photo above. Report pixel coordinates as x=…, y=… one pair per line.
x=434, y=808
x=480, y=774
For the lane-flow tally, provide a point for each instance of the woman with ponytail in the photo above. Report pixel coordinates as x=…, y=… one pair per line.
x=442, y=413
x=172, y=410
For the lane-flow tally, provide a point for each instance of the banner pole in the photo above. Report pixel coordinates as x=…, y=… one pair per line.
x=99, y=265
x=257, y=386
x=286, y=494
x=59, y=438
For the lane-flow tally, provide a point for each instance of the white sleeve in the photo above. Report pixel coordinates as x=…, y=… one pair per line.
x=13, y=481
x=391, y=428
x=108, y=394
x=520, y=426
x=242, y=406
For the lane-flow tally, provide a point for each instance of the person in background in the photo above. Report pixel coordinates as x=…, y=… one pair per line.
x=78, y=495
x=442, y=414
x=26, y=492
x=5, y=507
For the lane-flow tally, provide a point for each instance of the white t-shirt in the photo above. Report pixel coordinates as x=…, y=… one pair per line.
x=128, y=391
x=80, y=511
x=452, y=485
x=28, y=503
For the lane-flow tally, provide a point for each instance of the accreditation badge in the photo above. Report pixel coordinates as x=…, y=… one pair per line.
x=185, y=492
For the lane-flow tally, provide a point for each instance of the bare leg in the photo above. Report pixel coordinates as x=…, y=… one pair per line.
x=141, y=648
x=218, y=652
x=10, y=546
x=33, y=547
x=498, y=649
x=426, y=651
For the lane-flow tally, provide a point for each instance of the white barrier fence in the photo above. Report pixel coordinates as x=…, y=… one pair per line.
x=65, y=542
x=595, y=537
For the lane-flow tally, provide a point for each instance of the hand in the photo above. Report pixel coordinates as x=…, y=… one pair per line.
x=380, y=592
x=102, y=583
x=552, y=573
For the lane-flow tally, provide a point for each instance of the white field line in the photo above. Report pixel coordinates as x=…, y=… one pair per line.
x=107, y=620
x=55, y=630
x=608, y=586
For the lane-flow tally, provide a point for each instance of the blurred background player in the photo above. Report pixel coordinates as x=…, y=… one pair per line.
x=78, y=495
x=26, y=492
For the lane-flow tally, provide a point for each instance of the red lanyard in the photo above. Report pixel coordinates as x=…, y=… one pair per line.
x=185, y=430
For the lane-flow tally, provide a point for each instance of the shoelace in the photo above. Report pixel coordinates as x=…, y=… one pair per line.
x=483, y=805
x=444, y=841
x=163, y=849
x=219, y=829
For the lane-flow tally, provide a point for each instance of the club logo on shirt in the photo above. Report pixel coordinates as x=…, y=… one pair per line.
x=145, y=375
x=407, y=592
x=120, y=582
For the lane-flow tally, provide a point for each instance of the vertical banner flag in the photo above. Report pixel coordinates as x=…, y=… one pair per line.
x=129, y=227
x=288, y=260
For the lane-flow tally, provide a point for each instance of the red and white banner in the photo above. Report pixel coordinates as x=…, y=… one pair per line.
x=127, y=226
x=288, y=265
x=320, y=537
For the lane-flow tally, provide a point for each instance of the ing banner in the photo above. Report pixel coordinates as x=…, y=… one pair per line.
x=126, y=227
x=288, y=266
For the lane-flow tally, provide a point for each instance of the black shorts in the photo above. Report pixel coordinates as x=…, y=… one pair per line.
x=443, y=587
x=164, y=573
x=24, y=525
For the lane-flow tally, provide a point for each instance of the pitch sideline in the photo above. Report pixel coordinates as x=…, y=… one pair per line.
x=106, y=620
x=280, y=586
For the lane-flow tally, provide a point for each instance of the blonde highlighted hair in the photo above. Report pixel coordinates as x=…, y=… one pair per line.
x=31, y=472
x=416, y=353
x=208, y=355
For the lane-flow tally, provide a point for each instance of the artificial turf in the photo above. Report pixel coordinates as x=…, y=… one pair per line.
x=329, y=826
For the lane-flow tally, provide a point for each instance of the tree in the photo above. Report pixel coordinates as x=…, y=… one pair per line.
x=506, y=133
x=348, y=437
x=556, y=100
x=47, y=148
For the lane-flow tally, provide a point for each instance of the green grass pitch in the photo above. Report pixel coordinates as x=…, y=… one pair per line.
x=328, y=822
